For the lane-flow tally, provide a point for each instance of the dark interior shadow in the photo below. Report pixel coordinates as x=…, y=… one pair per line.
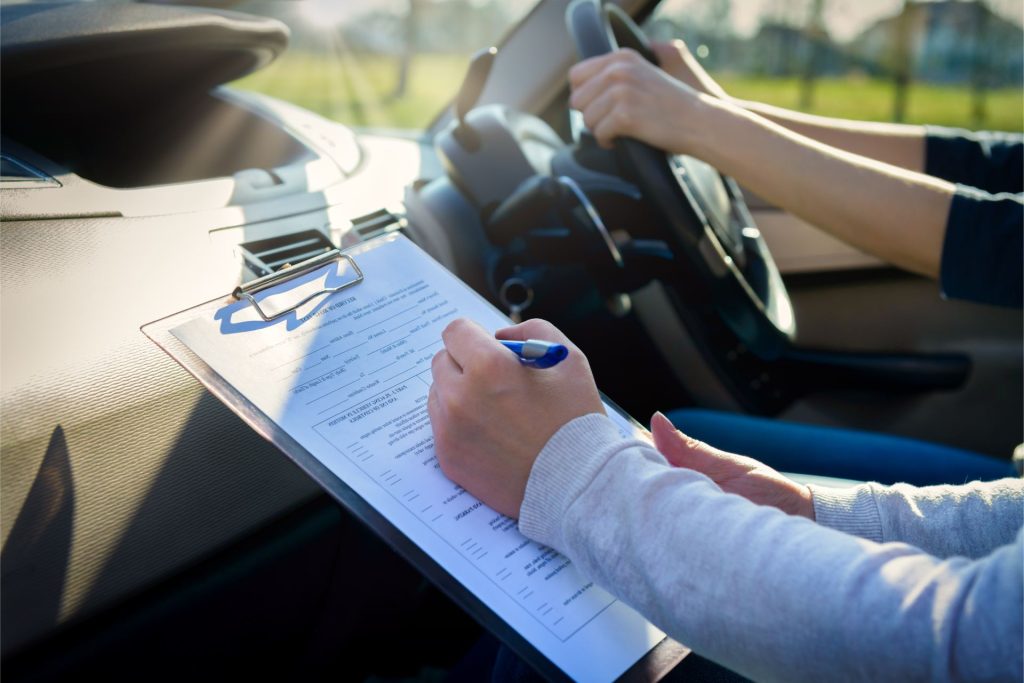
x=216, y=484
x=34, y=559
x=271, y=592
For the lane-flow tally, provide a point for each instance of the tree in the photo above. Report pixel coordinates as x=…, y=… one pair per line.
x=411, y=29
x=979, y=62
x=787, y=16
x=901, y=60
x=815, y=40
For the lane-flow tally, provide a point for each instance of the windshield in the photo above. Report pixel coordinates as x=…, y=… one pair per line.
x=941, y=62
x=378, y=63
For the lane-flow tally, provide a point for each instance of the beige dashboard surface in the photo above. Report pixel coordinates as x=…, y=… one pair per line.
x=117, y=469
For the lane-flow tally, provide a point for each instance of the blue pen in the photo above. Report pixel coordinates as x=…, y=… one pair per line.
x=536, y=353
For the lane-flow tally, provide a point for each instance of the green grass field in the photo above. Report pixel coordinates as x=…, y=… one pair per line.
x=872, y=100
x=359, y=92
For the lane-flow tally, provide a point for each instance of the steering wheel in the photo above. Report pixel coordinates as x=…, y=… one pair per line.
x=706, y=222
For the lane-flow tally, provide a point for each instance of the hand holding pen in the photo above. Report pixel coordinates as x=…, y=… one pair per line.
x=536, y=353
x=491, y=416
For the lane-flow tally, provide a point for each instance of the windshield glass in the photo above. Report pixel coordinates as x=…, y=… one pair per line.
x=378, y=63
x=942, y=62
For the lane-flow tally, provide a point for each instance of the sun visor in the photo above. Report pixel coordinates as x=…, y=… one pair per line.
x=84, y=55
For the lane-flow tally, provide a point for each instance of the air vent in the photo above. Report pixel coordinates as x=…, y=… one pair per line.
x=264, y=257
x=380, y=222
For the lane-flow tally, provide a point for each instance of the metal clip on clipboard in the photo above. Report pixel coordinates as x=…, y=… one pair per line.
x=250, y=289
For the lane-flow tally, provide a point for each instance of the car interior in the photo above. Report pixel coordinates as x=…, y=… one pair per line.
x=147, y=531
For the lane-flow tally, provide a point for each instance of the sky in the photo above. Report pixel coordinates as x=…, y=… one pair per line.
x=338, y=11
x=844, y=19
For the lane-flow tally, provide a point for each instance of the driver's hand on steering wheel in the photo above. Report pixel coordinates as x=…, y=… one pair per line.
x=622, y=94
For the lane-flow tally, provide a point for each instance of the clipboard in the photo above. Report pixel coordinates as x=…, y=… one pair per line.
x=317, y=281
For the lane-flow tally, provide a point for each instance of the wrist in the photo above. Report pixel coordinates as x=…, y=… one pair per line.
x=806, y=503
x=704, y=134
x=565, y=466
x=851, y=510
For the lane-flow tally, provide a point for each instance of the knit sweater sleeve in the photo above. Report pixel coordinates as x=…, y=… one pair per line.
x=771, y=596
x=970, y=520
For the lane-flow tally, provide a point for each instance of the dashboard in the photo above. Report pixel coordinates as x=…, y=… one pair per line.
x=153, y=472
x=119, y=471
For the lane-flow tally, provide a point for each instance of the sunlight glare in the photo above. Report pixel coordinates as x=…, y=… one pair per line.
x=324, y=13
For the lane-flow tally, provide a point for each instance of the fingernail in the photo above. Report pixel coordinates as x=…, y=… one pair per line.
x=659, y=416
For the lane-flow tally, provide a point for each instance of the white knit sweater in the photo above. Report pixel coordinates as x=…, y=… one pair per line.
x=891, y=583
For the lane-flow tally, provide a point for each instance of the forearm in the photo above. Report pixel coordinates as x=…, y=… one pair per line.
x=898, y=144
x=772, y=596
x=969, y=520
x=895, y=214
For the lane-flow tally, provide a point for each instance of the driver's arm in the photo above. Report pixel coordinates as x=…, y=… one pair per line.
x=898, y=144
x=896, y=214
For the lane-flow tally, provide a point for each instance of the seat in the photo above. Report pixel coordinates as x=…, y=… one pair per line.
x=837, y=452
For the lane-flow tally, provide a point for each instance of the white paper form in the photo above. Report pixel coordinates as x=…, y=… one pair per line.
x=349, y=381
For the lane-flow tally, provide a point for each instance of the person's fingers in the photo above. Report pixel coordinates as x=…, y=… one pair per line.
x=581, y=72
x=615, y=73
x=599, y=109
x=435, y=409
x=588, y=68
x=443, y=368
x=439, y=424
x=535, y=328
x=679, y=449
x=666, y=438
x=619, y=121
x=585, y=93
x=575, y=367
x=469, y=344
x=616, y=67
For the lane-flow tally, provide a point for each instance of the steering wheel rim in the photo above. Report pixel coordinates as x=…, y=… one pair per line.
x=743, y=281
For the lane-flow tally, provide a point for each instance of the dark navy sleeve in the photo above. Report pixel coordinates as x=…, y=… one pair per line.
x=993, y=162
x=983, y=252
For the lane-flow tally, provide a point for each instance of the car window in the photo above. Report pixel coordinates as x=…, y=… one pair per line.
x=945, y=62
x=378, y=63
